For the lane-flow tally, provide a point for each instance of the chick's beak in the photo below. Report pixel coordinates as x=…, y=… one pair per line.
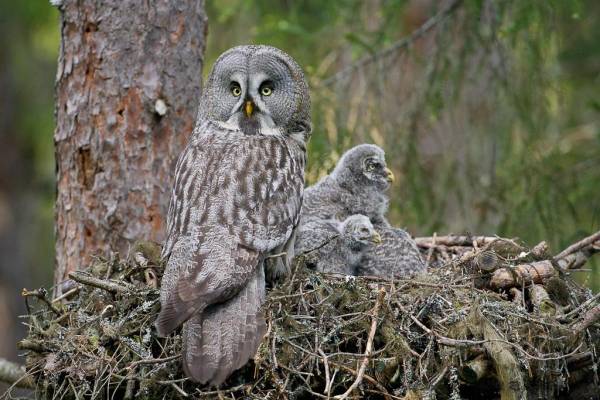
x=249, y=108
x=389, y=175
x=376, y=238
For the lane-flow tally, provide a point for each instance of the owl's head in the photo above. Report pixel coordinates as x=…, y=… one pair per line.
x=259, y=90
x=359, y=229
x=363, y=166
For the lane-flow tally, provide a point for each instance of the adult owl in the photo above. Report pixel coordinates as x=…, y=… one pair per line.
x=396, y=256
x=236, y=199
x=342, y=252
x=357, y=185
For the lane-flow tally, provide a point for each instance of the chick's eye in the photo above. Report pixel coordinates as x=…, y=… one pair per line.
x=236, y=90
x=370, y=167
x=266, y=90
x=364, y=230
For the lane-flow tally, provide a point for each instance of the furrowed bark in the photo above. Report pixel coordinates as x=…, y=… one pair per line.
x=128, y=85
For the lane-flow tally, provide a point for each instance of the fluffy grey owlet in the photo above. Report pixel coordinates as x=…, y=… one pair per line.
x=357, y=185
x=342, y=252
x=396, y=256
x=236, y=198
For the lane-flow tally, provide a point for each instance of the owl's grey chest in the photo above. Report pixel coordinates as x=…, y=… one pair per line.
x=238, y=175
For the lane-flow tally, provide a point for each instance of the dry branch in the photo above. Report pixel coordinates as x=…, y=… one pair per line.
x=456, y=240
x=588, y=319
x=580, y=245
x=368, y=349
x=395, y=47
x=524, y=274
x=110, y=286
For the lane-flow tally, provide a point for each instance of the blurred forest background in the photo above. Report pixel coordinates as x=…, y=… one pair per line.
x=489, y=112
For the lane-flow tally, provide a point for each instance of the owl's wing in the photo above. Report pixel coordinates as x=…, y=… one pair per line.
x=206, y=268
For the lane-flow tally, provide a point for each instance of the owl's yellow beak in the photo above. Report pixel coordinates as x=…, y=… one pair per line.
x=389, y=175
x=376, y=237
x=249, y=108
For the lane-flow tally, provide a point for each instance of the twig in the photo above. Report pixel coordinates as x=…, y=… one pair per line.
x=66, y=294
x=277, y=255
x=109, y=286
x=216, y=392
x=459, y=240
x=400, y=44
x=153, y=361
x=15, y=375
x=328, y=382
x=320, y=246
x=31, y=345
x=366, y=377
x=588, y=319
x=368, y=349
x=42, y=295
x=581, y=307
x=575, y=247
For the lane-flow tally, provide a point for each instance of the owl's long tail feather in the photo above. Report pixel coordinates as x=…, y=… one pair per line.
x=225, y=336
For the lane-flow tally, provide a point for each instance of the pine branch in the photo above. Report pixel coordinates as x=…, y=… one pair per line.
x=400, y=44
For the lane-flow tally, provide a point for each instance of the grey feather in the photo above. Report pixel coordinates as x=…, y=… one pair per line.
x=340, y=246
x=357, y=185
x=236, y=200
x=396, y=256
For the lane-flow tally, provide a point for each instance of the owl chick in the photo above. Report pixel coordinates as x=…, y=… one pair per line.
x=396, y=256
x=236, y=199
x=343, y=250
x=357, y=185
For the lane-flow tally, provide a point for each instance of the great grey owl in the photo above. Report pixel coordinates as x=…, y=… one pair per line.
x=396, y=256
x=357, y=185
x=236, y=198
x=341, y=245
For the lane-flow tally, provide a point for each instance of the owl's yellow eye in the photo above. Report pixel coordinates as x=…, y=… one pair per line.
x=370, y=167
x=266, y=90
x=236, y=90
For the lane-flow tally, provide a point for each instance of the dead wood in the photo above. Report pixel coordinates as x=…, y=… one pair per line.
x=524, y=274
x=334, y=336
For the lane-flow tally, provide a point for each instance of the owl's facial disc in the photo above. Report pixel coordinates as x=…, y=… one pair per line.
x=360, y=229
x=375, y=170
x=250, y=113
x=366, y=234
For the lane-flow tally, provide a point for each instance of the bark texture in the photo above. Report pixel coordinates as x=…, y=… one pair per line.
x=128, y=85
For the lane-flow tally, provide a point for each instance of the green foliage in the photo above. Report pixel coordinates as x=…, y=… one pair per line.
x=490, y=118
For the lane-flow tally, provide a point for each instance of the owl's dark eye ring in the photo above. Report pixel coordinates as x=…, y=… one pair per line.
x=236, y=90
x=266, y=88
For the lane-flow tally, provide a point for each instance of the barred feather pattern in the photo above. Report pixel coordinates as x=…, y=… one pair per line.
x=396, y=256
x=236, y=197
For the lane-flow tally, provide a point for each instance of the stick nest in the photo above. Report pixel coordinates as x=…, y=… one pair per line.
x=478, y=325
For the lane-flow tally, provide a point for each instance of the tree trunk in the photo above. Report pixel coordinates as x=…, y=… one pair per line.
x=128, y=85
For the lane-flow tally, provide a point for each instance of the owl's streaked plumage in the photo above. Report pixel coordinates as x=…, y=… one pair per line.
x=236, y=199
x=341, y=246
x=396, y=256
x=357, y=185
